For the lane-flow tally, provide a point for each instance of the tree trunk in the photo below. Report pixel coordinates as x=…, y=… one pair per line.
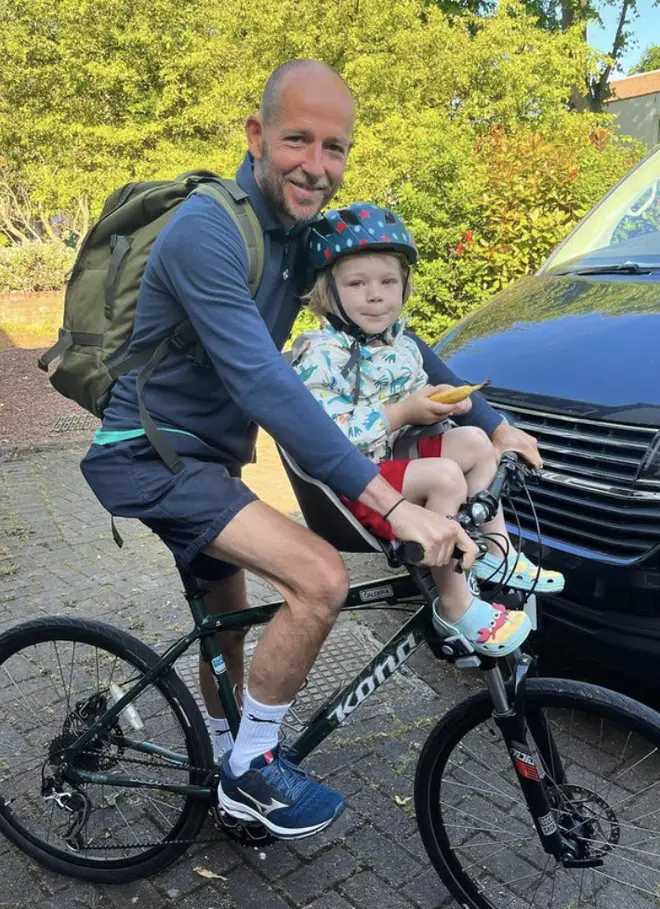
x=598, y=91
x=572, y=12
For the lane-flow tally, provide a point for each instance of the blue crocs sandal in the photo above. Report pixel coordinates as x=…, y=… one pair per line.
x=492, y=629
x=518, y=573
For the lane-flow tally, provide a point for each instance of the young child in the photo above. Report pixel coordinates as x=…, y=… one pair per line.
x=369, y=377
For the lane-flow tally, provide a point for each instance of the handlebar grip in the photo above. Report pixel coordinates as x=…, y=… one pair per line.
x=412, y=552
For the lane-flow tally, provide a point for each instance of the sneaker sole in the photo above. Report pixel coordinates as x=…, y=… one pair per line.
x=245, y=813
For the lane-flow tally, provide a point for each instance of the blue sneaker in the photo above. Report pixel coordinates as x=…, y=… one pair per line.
x=279, y=795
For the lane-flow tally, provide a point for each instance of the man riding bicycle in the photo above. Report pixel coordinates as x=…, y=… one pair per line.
x=214, y=525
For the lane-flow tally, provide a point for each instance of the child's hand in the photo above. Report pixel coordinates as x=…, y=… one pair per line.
x=456, y=410
x=418, y=410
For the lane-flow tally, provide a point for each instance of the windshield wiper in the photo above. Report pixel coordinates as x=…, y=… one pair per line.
x=627, y=268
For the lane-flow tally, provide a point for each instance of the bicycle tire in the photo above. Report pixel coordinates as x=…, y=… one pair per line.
x=20, y=647
x=448, y=802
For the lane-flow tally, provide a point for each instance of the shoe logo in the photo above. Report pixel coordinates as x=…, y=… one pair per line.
x=263, y=807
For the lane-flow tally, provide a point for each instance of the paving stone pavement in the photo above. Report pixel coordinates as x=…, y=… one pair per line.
x=57, y=557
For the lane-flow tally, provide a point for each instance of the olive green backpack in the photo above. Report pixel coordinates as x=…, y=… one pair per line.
x=101, y=296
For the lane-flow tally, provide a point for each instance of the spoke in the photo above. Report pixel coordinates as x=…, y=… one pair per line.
x=486, y=766
x=632, y=848
x=482, y=824
x=617, y=880
x=480, y=789
x=581, y=886
x=23, y=698
x=490, y=855
x=59, y=664
x=636, y=764
x=123, y=817
x=73, y=662
x=635, y=795
x=630, y=861
x=538, y=886
x=552, y=893
x=516, y=880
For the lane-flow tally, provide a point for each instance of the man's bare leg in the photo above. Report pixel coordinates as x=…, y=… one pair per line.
x=255, y=783
x=227, y=595
x=311, y=578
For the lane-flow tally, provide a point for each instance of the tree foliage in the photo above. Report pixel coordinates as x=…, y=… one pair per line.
x=463, y=122
x=649, y=60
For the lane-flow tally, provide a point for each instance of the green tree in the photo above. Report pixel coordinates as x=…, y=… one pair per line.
x=462, y=124
x=649, y=60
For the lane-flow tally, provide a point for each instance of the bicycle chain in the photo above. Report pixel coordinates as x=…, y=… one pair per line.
x=179, y=841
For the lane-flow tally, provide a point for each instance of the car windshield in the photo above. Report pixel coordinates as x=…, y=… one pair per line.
x=621, y=235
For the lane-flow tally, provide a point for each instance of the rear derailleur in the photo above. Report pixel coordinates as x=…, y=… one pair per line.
x=73, y=802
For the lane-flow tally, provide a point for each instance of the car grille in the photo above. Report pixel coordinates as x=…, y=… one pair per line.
x=590, y=496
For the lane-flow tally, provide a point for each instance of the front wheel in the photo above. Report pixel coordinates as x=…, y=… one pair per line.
x=476, y=826
x=57, y=677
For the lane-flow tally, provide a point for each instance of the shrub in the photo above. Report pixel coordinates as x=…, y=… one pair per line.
x=34, y=266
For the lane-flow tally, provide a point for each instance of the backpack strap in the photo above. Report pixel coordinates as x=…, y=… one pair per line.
x=64, y=341
x=149, y=358
x=236, y=203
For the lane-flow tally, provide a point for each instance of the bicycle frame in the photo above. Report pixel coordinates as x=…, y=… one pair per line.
x=412, y=634
x=417, y=630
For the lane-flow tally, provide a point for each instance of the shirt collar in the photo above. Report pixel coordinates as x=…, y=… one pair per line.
x=391, y=334
x=268, y=220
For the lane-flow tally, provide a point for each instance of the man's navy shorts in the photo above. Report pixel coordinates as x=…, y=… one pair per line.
x=187, y=510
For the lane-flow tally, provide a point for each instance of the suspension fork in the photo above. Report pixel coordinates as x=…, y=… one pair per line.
x=512, y=722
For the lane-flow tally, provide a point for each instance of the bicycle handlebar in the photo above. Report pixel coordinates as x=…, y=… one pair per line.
x=478, y=510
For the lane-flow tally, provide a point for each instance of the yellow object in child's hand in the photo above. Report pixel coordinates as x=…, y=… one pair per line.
x=457, y=394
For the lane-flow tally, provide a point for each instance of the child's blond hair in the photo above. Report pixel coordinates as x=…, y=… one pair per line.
x=320, y=300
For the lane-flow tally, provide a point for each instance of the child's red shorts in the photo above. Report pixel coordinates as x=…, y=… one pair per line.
x=394, y=472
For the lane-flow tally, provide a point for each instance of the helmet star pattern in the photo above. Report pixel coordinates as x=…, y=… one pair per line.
x=357, y=228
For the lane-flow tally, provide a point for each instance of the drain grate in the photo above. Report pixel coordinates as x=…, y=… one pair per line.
x=75, y=422
x=344, y=654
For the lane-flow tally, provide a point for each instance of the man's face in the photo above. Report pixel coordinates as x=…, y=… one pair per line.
x=300, y=156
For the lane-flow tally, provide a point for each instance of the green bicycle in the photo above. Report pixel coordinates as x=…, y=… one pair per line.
x=533, y=792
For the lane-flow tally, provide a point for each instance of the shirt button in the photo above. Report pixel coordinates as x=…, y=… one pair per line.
x=285, y=274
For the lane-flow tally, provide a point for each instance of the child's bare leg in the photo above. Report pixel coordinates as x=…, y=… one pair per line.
x=473, y=451
x=439, y=485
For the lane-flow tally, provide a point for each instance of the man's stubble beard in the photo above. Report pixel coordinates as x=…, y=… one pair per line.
x=272, y=188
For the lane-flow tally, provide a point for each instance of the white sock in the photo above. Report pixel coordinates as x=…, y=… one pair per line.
x=221, y=738
x=259, y=732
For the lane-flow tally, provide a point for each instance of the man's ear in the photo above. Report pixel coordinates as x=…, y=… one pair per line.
x=254, y=132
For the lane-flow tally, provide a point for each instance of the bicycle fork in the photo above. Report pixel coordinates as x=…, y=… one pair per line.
x=538, y=783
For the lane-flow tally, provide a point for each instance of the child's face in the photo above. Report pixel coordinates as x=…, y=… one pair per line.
x=371, y=290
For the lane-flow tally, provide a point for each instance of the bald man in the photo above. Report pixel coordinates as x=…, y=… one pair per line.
x=214, y=525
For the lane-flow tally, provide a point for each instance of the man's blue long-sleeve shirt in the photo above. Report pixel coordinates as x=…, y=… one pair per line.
x=198, y=270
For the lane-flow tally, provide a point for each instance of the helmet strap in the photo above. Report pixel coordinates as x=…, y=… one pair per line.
x=346, y=323
x=405, y=286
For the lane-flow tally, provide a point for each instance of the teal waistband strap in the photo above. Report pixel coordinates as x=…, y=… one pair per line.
x=104, y=437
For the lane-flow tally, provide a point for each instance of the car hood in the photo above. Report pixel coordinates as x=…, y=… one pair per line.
x=586, y=347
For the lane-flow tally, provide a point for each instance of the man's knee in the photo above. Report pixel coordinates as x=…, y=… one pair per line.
x=323, y=582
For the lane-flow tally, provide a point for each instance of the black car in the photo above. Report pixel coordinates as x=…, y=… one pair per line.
x=573, y=354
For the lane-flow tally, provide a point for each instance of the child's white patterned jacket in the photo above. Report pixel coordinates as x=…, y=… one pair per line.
x=388, y=374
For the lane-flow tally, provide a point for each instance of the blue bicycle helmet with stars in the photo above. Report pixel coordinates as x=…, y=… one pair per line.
x=360, y=227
